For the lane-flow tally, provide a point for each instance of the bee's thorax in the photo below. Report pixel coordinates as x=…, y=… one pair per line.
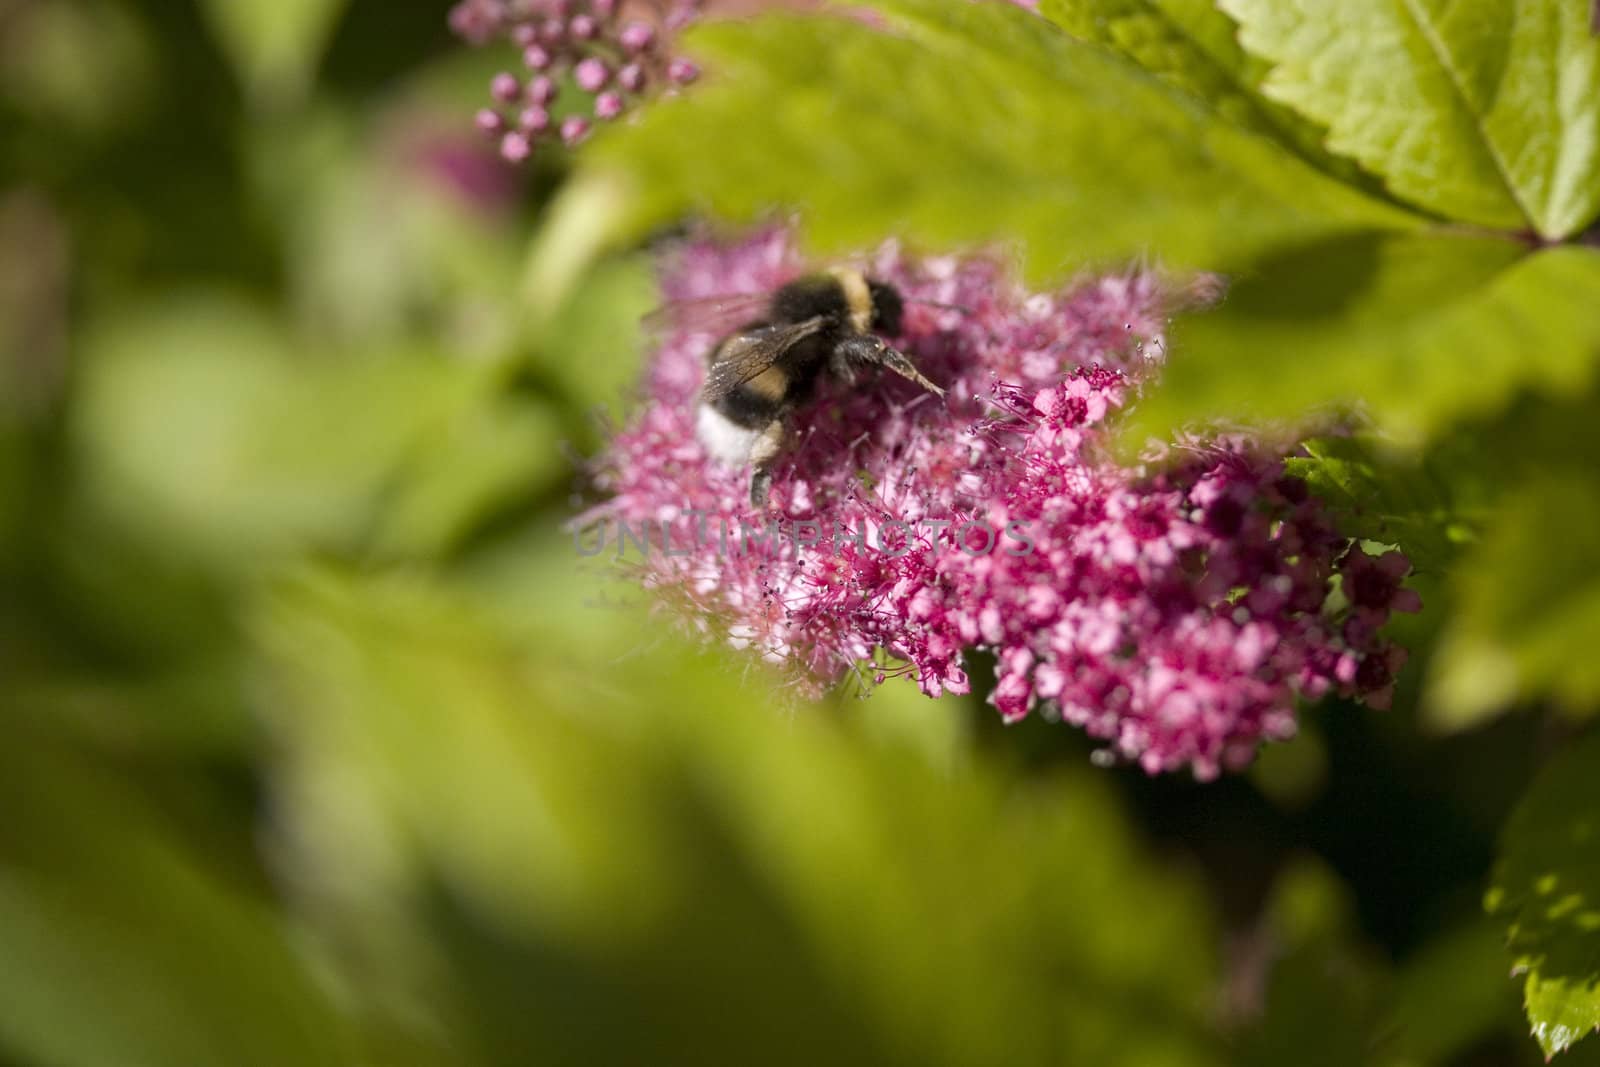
x=857, y=295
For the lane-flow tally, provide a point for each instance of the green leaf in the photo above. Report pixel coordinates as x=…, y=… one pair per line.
x=274, y=45
x=1528, y=619
x=1546, y=889
x=1324, y=984
x=486, y=457
x=1192, y=46
x=1391, y=499
x=80, y=68
x=1420, y=331
x=1486, y=111
x=1449, y=996
x=646, y=829
x=123, y=945
x=258, y=445
x=590, y=347
x=1187, y=43
x=973, y=123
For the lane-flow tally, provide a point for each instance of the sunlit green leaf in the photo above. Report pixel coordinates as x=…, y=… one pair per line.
x=975, y=122
x=1193, y=46
x=1546, y=888
x=1485, y=110
x=1188, y=43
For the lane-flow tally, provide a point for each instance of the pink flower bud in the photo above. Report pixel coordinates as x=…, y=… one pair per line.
x=541, y=90
x=632, y=77
x=636, y=37
x=682, y=71
x=533, y=120
x=591, y=74
x=574, y=128
x=489, y=121
x=516, y=147
x=505, y=87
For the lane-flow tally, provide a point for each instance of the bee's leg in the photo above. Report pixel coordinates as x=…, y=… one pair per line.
x=763, y=453
x=841, y=365
x=870, y=349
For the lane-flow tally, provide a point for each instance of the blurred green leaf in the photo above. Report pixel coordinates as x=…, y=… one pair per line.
x=1292, y=774
x=1419, y=331
x=581, y=220
x=913, y=134
x=1546, y=888
x=1324, y=985
x=591, y=347
x=1447, y=997
x=80, y=65
x=124, y=946
x=382, y=243
x=1332, y=998
x=1528, y=619
x=592, y=813
x=201, y=418
x=200, y=710
x=1484, y=111
x=898, y=715
x=485, y=457
x=274, y=45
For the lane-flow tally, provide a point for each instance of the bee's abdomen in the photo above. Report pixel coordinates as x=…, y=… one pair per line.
x=754, y=405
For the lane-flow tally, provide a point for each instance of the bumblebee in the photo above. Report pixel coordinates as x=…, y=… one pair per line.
x=761, y=371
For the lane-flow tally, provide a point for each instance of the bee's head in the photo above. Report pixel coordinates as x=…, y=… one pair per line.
x=887, y=307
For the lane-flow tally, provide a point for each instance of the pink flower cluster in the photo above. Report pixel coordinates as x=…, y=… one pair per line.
x=1177, y=610
x=611, y=61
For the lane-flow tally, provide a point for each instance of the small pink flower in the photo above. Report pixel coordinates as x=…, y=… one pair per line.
x=1178, y=611
x=1374, y=583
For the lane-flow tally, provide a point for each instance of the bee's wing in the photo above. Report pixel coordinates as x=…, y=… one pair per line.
x=745, y=355
x=712, y=314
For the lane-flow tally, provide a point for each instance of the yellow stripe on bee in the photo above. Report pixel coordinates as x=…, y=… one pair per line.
x=771, y=383
x=857, y=296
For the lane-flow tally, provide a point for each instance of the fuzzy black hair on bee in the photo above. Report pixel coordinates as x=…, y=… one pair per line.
x=761, y=371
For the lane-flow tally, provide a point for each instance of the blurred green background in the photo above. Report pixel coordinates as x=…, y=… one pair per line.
x=322, y=748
